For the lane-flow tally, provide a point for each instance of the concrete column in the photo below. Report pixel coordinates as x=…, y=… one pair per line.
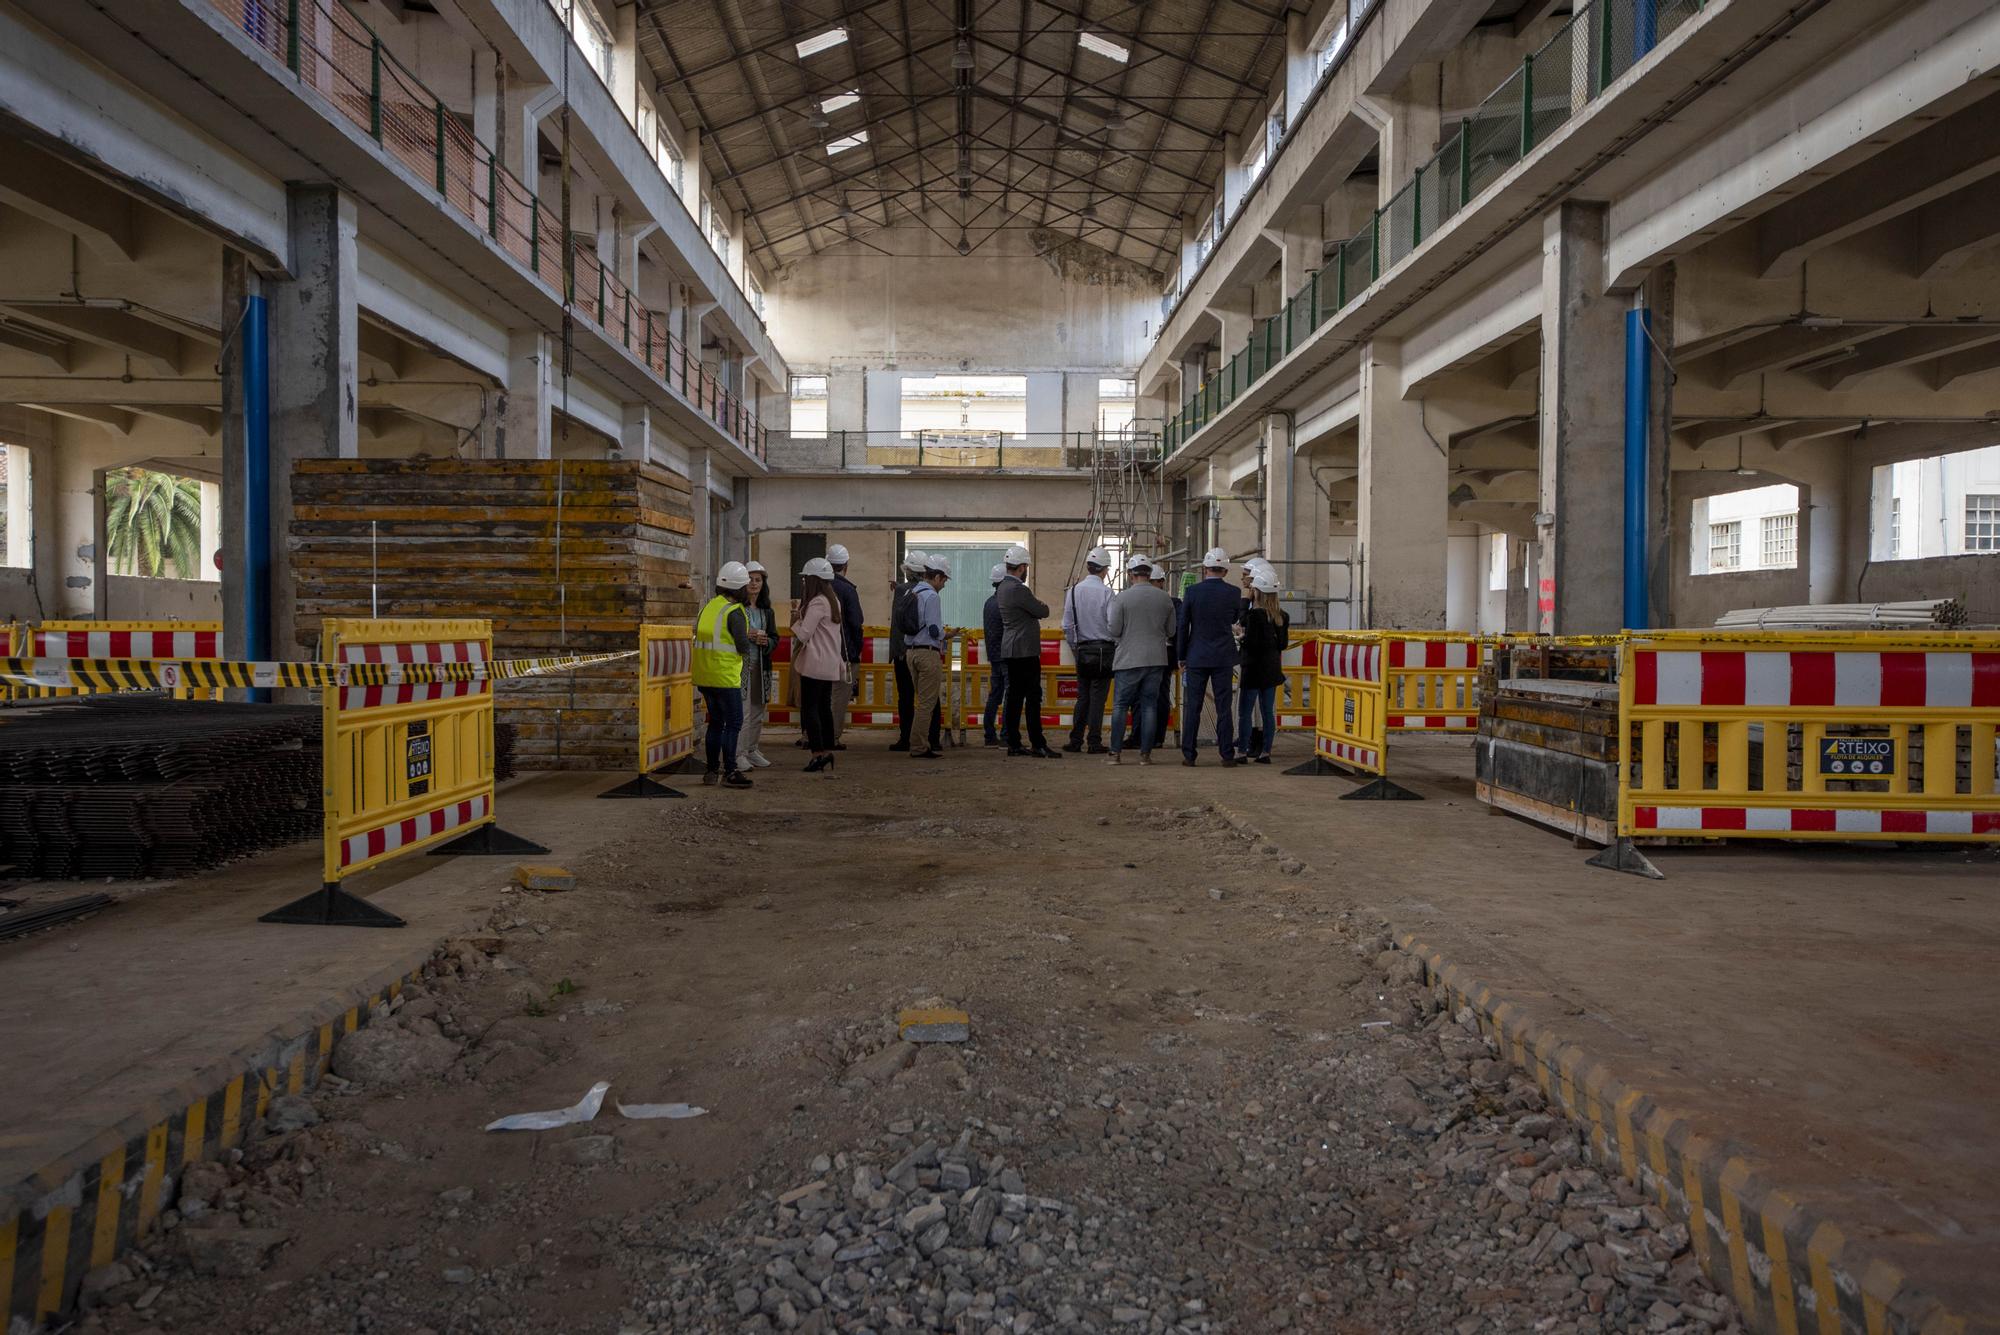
x=691, y=179
x=1579, y=587
x=1298, y=243
x=1400, y=501
x=635, y=434
x=1235, y=318
x=625, y=63
x=1232, y=175
x=522, y=105
x=701, y=544
x=1298, y=64
x=625, y=255
x=526, y=402
x=314, y=359
x=1295, y=512
x=1659, y=444
x=486, y=99
x=1190, y=229
x=1407, y=122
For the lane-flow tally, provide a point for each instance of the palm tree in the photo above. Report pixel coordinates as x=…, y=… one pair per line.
x=152, y=520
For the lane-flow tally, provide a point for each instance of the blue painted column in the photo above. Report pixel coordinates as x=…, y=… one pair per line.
x=255, y=512
x=1638, y=398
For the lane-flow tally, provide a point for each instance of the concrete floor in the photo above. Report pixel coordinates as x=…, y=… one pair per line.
x=113, y=1013
x=1830, y=1010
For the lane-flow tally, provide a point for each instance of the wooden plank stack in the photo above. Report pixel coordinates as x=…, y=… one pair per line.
x=564, y=555
x=1548, y=738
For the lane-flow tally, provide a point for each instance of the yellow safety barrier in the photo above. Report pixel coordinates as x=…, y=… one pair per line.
x=406, y=766
x=1859, y=735
x=1431, y=680
x=135, y=641
x=666, y=708
x=1351, y=711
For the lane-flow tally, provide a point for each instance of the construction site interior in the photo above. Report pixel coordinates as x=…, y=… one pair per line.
x=1572, y=425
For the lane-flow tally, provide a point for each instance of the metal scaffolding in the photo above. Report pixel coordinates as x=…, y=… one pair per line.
x=1128, y=501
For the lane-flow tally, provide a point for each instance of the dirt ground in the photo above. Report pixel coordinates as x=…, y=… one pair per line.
x=1199, y=1095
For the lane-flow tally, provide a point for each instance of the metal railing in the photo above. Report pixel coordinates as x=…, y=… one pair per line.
x=329, y=49
x=970, y=449
x=1601, y=41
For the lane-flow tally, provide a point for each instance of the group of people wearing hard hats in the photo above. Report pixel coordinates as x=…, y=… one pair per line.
x=1125, y=646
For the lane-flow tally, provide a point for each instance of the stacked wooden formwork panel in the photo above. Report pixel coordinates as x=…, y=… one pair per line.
x=563, y=555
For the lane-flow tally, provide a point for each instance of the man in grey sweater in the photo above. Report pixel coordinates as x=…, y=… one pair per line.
x=1142, y=622
x=1021, y=616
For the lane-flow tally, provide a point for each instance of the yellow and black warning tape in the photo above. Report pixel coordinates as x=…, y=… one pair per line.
x=155, y=674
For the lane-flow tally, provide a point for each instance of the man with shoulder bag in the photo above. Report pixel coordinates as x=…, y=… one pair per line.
x=1087, y=627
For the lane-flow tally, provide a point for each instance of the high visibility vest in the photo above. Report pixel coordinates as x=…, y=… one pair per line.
x=716, y=662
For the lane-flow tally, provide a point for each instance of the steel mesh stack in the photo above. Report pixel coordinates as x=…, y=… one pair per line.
x=126, y=786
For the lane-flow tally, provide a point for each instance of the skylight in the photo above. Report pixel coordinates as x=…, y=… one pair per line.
x=1103, y=46
x=838, y=101
x=846, y=141
x=825, y=41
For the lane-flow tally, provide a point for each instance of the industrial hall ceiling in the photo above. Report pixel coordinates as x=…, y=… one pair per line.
x=827, y=121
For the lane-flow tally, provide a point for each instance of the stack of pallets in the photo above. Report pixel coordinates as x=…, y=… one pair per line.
x=564, y=556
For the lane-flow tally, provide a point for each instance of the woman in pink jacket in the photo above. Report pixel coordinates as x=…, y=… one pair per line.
x=816, y=660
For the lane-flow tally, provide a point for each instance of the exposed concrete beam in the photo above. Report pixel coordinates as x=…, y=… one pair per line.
x=1947, y=232
x=1776, y=349
x=119, y=420
x=51, y=353
x=1533, y=12
x=45, y=187
x=1955, y=366
x=380, y=352
x=1794, y=432
x=160, y=349
x=1698, y=435
x=1906, y=348
x=1934, y=162
x=208, y=421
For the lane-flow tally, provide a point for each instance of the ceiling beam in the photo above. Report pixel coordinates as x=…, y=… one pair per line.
x=158, y=348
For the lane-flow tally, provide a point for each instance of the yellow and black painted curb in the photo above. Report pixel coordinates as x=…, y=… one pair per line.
x=87, y=1208
x=1792, y=1270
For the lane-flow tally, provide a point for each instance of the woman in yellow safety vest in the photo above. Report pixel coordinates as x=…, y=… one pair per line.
x=721, y=643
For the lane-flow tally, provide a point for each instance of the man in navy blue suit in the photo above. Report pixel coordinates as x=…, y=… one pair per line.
x=1207, y=646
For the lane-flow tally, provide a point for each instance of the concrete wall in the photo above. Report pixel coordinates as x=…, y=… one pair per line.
x=134, y=599
x=1005, y=307
x=1697, y=600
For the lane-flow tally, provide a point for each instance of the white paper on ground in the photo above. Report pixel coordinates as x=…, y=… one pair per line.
x=549, y=1121
x=645, y=1110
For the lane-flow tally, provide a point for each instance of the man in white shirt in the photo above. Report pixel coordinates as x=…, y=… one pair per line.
x=1087, y=626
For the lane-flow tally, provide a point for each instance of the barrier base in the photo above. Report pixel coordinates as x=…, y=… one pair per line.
x=1313, y=769
x=642, y=787
x=1379, y=789
x=331, y=906
x=1623, y=855
x=487, y=841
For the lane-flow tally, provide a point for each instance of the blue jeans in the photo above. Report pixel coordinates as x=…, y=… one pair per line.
x=1249, y=700
x=1220, y=681
x=996, y=695
x=725, y=721
x=1138, y=690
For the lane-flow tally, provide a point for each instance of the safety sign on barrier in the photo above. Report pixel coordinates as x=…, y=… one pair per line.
x=1871, y=756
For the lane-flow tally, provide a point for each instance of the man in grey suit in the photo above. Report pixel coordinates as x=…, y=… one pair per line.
x=1142, y=622
x=1021, y=616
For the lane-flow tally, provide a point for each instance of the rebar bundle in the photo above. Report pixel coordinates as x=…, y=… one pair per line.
x=140, y=786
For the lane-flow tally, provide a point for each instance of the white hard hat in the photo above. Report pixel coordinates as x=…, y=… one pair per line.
x=820, y=566
x=1097, y=556
x=999, y=573
x=1256, y=563
x=1216, y=557
x=756, y=568
x=1264, y=581
x=1139, y=563
x=913, y=560
x=732, y=576
x=836, y=555
x=936, y=564
x=1017, y=555
x=1159, y=570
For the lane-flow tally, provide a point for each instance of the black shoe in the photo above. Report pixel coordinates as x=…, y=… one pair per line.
x=1262, y=760
x=895, y=746
x=1099, y=749
x=1072, y=747
x=840, y=746
x=1188, y=761
x=1256, y=740
x=735, y=779
x=1019, y=751
x=710, y=778
x=927, y=755
x=993, y=741
x=816, y=764
x=1043, y=753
